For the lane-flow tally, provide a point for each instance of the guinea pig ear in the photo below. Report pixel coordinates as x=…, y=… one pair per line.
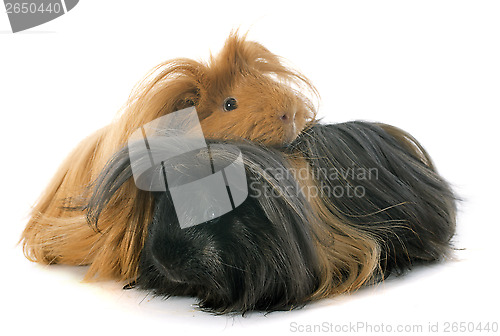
x=170, y=86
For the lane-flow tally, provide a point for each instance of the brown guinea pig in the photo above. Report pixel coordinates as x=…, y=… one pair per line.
x=244, y=92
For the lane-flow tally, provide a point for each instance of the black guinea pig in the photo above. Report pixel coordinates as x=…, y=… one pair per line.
x=313, y=224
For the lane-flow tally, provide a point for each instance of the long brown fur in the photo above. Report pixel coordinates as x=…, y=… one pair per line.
x=271, y=110
x=349, y=256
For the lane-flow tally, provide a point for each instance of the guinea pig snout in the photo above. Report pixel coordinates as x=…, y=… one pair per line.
x=289, y=122
x=287, y=117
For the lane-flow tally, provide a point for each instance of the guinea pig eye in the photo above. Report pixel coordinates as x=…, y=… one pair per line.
x=230, y=104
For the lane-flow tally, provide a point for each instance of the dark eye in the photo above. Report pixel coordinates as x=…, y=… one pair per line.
x=230, y=104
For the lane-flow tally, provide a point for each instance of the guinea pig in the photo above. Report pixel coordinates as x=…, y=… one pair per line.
x=342, y=207
x=244, y=92
x=263, y=245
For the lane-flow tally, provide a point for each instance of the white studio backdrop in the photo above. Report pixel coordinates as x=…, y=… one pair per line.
x=429, y=67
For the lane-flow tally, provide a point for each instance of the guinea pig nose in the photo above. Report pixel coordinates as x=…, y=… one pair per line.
x=287, y=117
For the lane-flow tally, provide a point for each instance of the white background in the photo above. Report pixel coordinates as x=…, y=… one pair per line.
x=429, y=67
